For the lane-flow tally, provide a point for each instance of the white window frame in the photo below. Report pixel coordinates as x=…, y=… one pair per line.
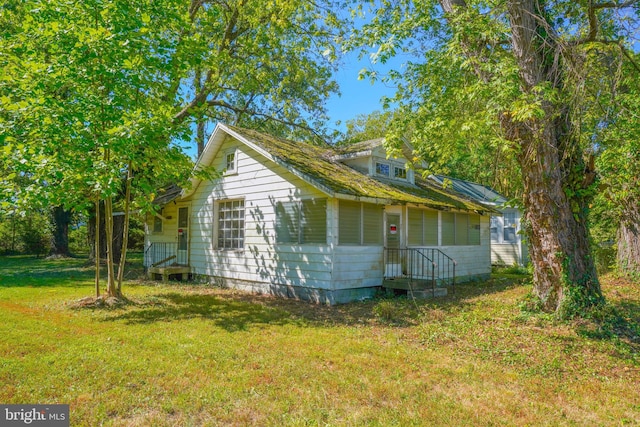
x=234, y=169
x=458, y=226
x=221, y=240
x=157, y=221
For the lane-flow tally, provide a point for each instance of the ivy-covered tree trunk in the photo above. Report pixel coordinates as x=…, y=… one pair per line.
x=60, y=220
x=554, y=174
x=629, y=242
x=564, y=272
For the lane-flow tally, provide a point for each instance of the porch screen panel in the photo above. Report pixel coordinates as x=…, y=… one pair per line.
x=372, y=220
x=286, y=222
x=474, y=229
x=462, y=229
x=448, y=228
x=313, y=221
x=349, y=223
x=430, y=228
x=415, y=233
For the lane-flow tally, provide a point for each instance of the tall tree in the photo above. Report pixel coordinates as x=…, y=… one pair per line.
x=258, y=64
x=511, y=73
x=95, y=96
x=85, y=89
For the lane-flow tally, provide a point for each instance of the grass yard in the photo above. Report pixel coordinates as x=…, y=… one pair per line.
x=196, y=355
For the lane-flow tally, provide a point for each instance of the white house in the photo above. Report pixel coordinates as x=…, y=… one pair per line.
x=508, y=245
x=316, y=223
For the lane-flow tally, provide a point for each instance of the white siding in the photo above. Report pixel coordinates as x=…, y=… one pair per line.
x=505, y=254
x=169, y=233
x=261, y=184
x=264, y=265
x=358, y=266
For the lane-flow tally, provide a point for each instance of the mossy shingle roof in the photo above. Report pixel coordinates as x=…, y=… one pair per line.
x=315, y=165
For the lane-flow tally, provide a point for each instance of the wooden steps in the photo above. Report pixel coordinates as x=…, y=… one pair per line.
x=167, y=271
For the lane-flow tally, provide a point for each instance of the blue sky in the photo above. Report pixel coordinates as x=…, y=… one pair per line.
x=357, y=96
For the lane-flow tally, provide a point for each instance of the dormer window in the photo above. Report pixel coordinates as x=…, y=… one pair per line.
x=382, y=169
x=399, y=173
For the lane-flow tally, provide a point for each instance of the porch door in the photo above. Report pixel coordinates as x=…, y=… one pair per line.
x=182, y=253
x=393, y=262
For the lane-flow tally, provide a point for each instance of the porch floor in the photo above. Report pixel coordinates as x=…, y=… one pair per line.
x=167, y=271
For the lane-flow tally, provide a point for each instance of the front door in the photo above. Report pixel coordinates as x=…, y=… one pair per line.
x=393, y=263
x=183, y=236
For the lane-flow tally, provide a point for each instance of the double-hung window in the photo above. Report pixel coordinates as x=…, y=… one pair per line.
x=230, y=224
x=157, y=224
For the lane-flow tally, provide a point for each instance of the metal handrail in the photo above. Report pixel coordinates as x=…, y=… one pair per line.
x=413, y=263
x=159, y=253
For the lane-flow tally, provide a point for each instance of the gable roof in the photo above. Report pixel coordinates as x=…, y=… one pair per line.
x=473, y=190
x=317, y=166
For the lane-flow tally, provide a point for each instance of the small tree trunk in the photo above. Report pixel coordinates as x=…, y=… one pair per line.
x=629, y=241
x=118, y=223
x=200, y=120
x=60, y=220
x=97, y=247
x=112, y=291
x=125, y=230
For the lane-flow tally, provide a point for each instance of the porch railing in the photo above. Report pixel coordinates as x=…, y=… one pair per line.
x=160, y=254
x=428, y=265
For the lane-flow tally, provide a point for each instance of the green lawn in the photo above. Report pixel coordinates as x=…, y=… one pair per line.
x=196, y=355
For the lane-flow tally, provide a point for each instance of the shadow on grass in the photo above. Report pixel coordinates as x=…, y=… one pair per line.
x=229, y=314
x=236, y=310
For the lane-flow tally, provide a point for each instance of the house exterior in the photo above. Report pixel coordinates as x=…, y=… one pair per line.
x=315, y=223
x=508, y=245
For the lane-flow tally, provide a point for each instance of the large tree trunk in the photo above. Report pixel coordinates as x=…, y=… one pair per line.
x=564, y=272
x=200, y=118
x=554, y=173
x=553, y=170
x=629, y=241
x=96, y=244
x=60, y=220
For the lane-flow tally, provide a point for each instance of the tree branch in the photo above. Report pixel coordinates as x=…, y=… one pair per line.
x=614, y=5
